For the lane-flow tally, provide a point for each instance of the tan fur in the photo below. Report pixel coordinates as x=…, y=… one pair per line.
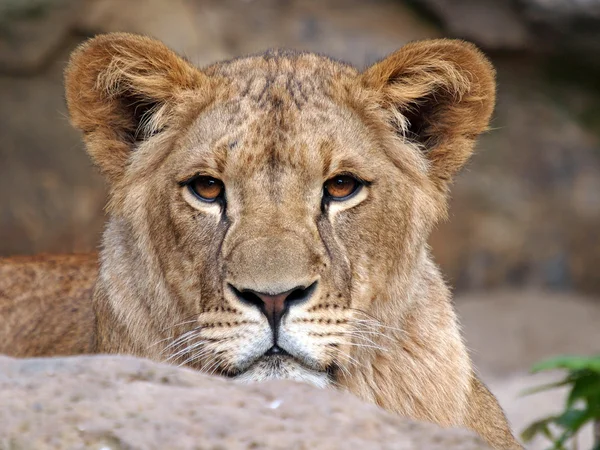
x=274, y=128
x=45, y=306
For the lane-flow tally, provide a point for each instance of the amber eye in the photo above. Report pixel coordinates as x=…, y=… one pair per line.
x=341, y=187
x=207, y=189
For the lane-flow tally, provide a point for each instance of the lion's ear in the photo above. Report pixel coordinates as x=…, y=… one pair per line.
x=440, y=95
x=120, y=89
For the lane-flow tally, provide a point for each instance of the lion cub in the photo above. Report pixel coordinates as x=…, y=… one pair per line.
x=269, y=216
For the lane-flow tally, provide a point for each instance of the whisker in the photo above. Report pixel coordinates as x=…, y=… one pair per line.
x=214, y=364
x=193, y=358
x=377, y=347
x=343, y=370
x=175, y=340
x=335, y=355
x=362, y=328
x=379, y=324
x=345, y=357
x=364, y=313
x=185, y=322
x=361, y=335
x=352, y=333
x=207, y=350
x=371, y=344
x=187, y=349
x=185, y=336
x=158, y=342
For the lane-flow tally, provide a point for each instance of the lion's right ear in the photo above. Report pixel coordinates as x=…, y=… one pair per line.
x=122, y=88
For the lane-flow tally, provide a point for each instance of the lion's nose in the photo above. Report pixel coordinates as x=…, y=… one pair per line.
x=274, y=306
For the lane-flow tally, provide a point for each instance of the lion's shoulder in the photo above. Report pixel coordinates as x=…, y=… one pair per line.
x=45, y=304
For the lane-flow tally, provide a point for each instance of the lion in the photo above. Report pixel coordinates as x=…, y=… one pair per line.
x=268, y=218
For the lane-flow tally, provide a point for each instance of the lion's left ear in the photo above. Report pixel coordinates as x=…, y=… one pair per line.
x=440, y=94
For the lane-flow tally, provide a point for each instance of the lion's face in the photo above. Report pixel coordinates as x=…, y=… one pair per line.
x=277, y=217
x=274, y=212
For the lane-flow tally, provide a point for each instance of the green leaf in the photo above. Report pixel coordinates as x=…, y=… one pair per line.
x=585, y=387
x=569, y=363
x=539, y=427
x=545, y=387
x=583, y=376
x=559, y=444
x=573, y=419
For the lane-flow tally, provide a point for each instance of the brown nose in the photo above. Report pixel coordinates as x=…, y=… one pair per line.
x=274, y=306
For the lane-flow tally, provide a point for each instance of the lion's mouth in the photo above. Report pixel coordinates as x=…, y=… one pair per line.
x=278, y=364
x=277, y=360
x=276, y=350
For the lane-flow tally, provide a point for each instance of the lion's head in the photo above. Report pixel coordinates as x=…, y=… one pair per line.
x=269, y=213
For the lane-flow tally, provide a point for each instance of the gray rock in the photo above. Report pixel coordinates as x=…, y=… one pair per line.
x=532, y=25
x=31, y=31
x=491, y=23
x=106, y=402
x=209, y=30
x=561, y=10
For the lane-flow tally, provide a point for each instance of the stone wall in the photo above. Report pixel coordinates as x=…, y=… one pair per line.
x=122, y=403
x=525, y=212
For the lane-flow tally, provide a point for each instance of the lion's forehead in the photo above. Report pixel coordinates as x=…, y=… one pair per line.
x=280, y=83
x=284, y=65
x=277, y=117
x=283, y=89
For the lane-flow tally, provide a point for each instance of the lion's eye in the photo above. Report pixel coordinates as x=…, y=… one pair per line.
x=206, y=188
x=341, y=187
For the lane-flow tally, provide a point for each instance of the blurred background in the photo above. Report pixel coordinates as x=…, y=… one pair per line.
x=522, y=246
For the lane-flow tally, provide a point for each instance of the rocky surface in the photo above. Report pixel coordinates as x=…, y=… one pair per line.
x=492, y=24
x=524, y=213
x=524, y=210
x=31, y=31
x=120, y=403
x=531, y=25
x=126, y=403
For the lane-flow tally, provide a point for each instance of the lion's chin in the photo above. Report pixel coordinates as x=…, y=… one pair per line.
x=276, y=367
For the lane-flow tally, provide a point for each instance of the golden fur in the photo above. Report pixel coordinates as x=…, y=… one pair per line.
x=45, y=306
x=274, y=127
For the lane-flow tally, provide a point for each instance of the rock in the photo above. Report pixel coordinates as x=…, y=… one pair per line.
x=532, y=25
x=183, y=25
x=31, y=31
x=523, y=211
x=110, y=402
x=210, y=30
x=492, y=24
x=570, y=26
x=509, y=331
x=51, y=197
x=561, y=10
